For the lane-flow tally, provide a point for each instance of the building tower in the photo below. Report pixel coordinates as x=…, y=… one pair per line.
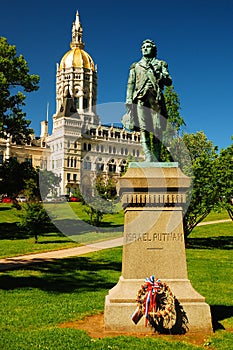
x=76, y=76
x=76, y=94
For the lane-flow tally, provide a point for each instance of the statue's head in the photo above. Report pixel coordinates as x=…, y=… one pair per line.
x=149, y=48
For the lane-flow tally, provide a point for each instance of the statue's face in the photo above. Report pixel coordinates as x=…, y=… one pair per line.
x=147, y=50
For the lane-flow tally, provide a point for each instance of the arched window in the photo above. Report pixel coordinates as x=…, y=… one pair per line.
x=112, y=168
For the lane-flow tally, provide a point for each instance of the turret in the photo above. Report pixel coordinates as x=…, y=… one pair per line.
x=76, y=75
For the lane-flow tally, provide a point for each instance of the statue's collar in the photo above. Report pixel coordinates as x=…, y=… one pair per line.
x=146, y=63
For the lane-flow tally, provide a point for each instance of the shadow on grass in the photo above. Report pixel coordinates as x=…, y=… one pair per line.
x=64, y=276
x=55, y=241
x=219, y=313
x=220, y=242
x=12, y=231
x=4, y=208
x=75, y=227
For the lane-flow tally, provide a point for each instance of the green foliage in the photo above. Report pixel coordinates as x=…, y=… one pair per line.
x=224, y=171
x=33, y=182
x=95, y=215
x=204, y=195
x=106, y=187
x=14, y=176
x=14, y=80
x=34, y=219
x=95, y=208
x=174, y=126
x=101, y=201
x=172, y=102
x=47, y=182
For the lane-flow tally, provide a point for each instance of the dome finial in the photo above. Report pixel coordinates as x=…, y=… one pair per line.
x=77, y=33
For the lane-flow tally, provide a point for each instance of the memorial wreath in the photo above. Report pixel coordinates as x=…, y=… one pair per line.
x=157, y=302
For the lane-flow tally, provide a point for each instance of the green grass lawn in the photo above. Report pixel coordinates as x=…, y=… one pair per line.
x=214, y=215
x=69, y=217
x=37, y=298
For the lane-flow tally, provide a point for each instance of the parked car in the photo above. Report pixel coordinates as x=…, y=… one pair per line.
x=21, y=198
x=59, y=199
x=6, y=200
x=49, y=199
x=74, y=199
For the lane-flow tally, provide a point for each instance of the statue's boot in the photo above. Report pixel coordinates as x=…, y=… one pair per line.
x=145, y=141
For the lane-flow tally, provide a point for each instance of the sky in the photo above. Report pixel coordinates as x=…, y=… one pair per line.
x=195, y=38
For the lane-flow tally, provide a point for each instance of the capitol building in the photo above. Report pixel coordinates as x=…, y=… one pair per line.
x=80, y=147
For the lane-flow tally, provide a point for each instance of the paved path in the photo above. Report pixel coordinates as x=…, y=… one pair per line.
x=213, y=222
x=15, y=262
x=18, y=261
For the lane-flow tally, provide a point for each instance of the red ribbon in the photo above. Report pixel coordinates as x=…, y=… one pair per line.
x=151, y=287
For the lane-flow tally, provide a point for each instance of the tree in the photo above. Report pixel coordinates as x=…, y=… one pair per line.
x=14, y=81
x=35, y=183
x=102, y=199
x=40, y=184
x=106, y=187
x=204, y=195
x=47, y=182
x=95, y=210
x=34, y=219
x=172, y=102
x=225, y=179
x=13, y=176
x=171, y=136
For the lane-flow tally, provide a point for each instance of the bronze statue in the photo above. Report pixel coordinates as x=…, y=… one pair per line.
x=145, y=100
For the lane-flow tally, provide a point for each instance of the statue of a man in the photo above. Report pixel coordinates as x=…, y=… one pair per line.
x=145, y=100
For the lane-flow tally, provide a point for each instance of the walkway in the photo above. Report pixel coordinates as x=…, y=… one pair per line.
x=18, y=261
x=213, y=222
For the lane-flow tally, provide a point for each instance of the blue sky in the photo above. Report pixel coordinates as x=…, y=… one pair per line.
x=195, y=37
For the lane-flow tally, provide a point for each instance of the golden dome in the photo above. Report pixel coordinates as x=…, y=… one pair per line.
x=77, y=58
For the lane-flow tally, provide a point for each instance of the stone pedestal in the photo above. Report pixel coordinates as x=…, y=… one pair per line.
x=153, y=195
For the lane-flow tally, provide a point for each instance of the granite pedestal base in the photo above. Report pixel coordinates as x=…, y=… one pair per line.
x=154, y=199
